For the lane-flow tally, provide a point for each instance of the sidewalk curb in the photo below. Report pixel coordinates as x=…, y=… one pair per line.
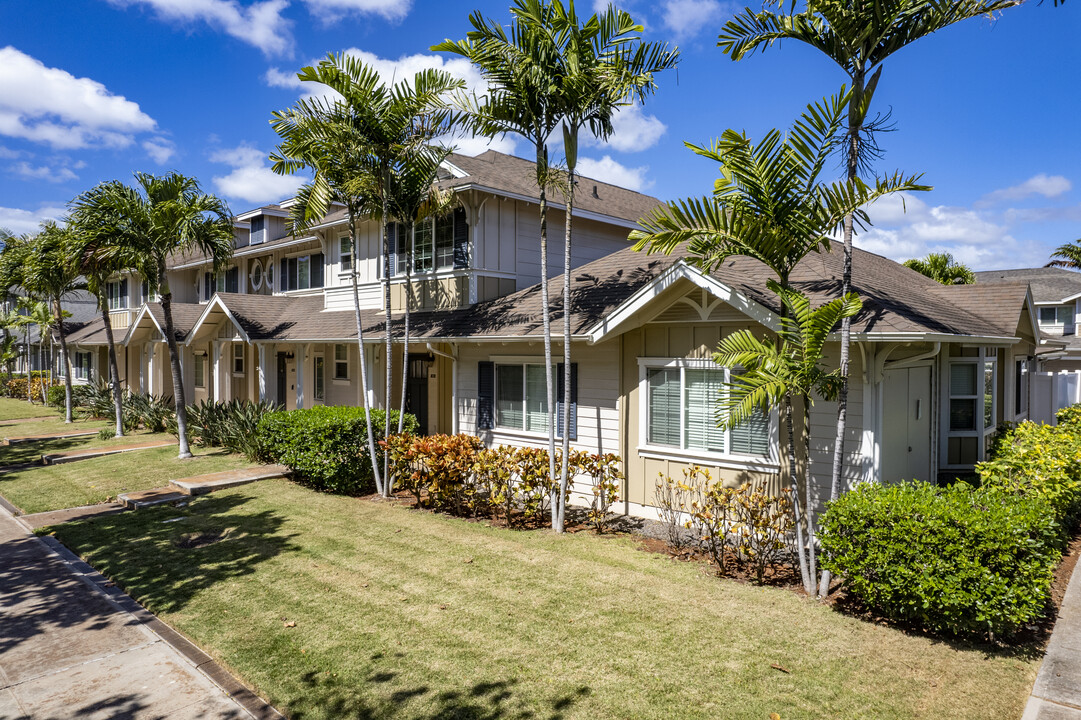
x=248, y=700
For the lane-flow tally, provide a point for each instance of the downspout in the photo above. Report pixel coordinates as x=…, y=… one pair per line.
x=453, y=384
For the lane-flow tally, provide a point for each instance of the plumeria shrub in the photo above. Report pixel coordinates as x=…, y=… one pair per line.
x=955, y=560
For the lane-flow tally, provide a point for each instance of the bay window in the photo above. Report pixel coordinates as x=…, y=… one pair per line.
x=680, y=411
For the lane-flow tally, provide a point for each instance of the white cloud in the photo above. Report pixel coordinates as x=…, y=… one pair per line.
x=8, y=153
x=259, y=24
x=687, y=18
x=43, y=172
x=21, y=221
x=251, y=179
x=52, y=106
x=1048, y=186
x=389, y=70
x=469, y=145
x=159, y=149
x=330, y=10
x=632, y=131
x=608, y=170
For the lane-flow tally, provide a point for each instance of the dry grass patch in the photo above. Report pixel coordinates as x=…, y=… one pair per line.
x=406, y=614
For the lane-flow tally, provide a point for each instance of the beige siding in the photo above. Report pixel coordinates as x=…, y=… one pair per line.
x=591, y=240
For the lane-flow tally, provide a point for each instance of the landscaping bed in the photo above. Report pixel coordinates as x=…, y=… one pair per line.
x=336, y=607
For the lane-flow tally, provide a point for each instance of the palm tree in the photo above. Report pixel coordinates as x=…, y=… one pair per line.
x=415, y=198
x=102, y=254
x=603, y=66
x=859, y=36
x=521, y=67
x=774, y=372
x=389, y=124
x=942, y=268
x=1067, y=256
x=52, y=275
x=159, y=217
x=42, y=317
x=770, y=204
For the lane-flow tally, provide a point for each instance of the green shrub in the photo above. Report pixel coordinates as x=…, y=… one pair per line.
x=1040, y=460
x=1069, y=416
x=327, y=447
x=57, y=396
x=954, y=560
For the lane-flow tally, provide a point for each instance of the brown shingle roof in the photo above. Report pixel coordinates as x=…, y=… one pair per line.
x=1000, y=304
x=1048, y=284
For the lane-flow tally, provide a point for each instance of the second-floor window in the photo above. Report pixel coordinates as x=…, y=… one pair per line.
x=146, y=293
x=302, y=273
x=345, y=253
x=229, y=282
x=437, y=244
x=1059, y=316
x=117, y=294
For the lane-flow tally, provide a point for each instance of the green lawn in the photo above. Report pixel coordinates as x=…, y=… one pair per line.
x=408, y=615
x=32, y=451
x=12, y=409
x=97, y=480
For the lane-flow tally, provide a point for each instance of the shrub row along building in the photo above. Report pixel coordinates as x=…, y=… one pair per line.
x=934, y=368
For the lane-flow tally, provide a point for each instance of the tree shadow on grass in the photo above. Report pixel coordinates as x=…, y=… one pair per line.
x=31, y=452
x=164, y=556
x=380, y=699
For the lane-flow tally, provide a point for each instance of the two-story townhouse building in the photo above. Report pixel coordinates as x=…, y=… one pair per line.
x=934, y=368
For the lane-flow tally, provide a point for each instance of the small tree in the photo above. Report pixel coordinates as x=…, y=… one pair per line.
x=777, y=371
x=942, y=268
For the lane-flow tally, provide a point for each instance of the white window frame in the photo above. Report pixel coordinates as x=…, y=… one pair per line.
x=84, y=372
x=524, y=363
x=345, y=257
x=399, y=269
x=318, y=359
x=114, y=302
x=306, y=257
x=341, y=379
x=237, y=355
x=1023, y=387
x=725, y=459
x=1069, y=310
x=256, y=283
x=981, y=431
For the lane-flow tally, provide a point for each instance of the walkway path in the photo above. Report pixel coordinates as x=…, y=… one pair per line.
x=1057, y=692
x=71, y=648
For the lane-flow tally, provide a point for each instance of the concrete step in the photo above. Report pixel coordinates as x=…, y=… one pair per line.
x=149, y=498
x=202, y=484
x=55, y=517
x=75, y=455
x=50, y=436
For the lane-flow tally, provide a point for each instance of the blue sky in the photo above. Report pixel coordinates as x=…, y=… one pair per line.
x=96, y=89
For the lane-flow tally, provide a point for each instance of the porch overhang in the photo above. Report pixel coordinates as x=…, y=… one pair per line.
x=211, y=318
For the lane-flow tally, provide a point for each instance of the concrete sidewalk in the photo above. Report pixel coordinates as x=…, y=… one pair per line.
x=67, y=650
x=1056, y=694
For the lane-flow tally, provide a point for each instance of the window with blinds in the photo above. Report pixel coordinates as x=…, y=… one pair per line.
x=681, y=412
x=509, y=393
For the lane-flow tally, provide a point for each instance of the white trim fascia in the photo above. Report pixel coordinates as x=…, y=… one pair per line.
x=216, y=300
x=680, y=271
x=914, y=337
x=453, y=169
x=262, y=211
x=249, y=250
x=144, y=310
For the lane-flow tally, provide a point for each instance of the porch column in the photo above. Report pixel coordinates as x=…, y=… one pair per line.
x=264, y=370
x=302, y=358
x=218, y=374
x=151, y=385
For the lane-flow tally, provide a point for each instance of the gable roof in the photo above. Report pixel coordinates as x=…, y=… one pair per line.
x=1048, y=285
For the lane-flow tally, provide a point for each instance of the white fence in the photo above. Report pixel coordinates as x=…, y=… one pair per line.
x=1051, y=392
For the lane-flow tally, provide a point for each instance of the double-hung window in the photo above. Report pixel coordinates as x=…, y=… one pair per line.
x=521, y=398
x=433, y=245
x=238, y=358
x=341, y=362
x=82, y=369
x=345, y=253
x=302, y=273
x=680, y=413
x=114, y=293
x=229, y=281
x=973, y=405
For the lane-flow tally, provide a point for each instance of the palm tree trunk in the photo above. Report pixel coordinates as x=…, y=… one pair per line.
x=389, y=349
x=174, y=365
x=852, y=163
x=405, y=332
x=808, y=501
x=797, y=510
x=114, y=371
x=41, y=374
x=26, y=336
x=542, y=162
x=64, y=359
x=360, y=345
x=564, y=464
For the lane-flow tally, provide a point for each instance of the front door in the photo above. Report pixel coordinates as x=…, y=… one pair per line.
x=416, y=392
x=906, y=424
x=283, y=377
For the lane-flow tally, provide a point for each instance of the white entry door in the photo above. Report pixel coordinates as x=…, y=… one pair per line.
x=906, y=424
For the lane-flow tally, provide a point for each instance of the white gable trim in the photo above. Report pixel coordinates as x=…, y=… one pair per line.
x=144, y=310
x=216, y=301
x=680, y=271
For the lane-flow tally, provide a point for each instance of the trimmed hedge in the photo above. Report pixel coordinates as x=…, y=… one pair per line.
x=327, y=447
x=1042, y=461
x=955, y=560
